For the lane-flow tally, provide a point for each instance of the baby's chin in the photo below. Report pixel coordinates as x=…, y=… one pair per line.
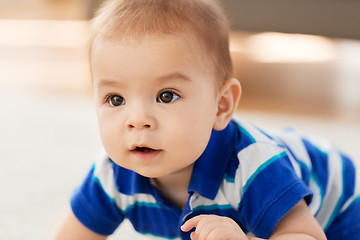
x=148, y=173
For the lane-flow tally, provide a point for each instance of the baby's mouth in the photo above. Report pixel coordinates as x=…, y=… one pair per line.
x=145, y=153
x=144, y=149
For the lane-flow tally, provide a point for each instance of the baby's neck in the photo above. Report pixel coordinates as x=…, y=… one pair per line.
x=174, y=186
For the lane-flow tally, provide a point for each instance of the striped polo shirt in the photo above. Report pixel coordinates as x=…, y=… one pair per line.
x=252, y=176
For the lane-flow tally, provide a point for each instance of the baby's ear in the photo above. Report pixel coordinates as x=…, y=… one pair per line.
x=227, y=102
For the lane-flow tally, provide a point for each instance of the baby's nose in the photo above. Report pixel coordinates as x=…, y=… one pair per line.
x=141, y=119
x=139, y=125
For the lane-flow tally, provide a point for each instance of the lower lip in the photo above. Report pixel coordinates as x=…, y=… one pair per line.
x=146, y=155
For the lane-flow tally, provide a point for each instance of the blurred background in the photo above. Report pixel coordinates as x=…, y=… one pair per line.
x=298, y=63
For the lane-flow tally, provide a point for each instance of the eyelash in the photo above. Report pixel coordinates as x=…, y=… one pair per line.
x=109, y=97
x=174, y=97
x=173, y=94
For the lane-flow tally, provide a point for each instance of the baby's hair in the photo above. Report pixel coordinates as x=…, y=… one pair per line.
x=200, y=21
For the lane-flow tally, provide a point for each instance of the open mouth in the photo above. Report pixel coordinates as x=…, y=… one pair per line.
x=144, y=149
x=145, y=153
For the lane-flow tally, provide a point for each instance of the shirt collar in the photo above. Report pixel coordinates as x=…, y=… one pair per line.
x=209, y=169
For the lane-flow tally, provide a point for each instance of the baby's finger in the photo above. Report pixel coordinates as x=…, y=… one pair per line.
x=192, y=236
x=191, y=223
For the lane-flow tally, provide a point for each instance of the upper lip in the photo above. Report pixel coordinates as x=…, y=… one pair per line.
x=139, y=147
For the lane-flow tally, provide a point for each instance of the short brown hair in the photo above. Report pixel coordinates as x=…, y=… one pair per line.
x=203, y=19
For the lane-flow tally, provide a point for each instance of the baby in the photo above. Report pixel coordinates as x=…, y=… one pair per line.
x=178, y=164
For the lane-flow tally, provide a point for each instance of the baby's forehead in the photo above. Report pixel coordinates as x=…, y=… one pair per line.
x=200, y=51
x=172, y=52
x=183, y=40
x=202, y=23
x=187, y=35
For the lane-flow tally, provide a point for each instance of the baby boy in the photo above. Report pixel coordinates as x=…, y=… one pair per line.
x=178, y=164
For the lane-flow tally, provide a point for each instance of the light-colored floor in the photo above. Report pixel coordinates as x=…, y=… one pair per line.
x=48, y=132
x=48, y=141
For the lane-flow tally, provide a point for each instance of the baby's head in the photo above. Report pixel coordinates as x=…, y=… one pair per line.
x=201, y=22
x=161, y=72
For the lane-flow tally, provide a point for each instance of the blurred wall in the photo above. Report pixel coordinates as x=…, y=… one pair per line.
x=45, y=9
x=332, y=18
x=294, y=83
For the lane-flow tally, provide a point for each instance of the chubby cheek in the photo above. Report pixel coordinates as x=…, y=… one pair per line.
x=189, y=141
x=195, y=127
x=110, y=136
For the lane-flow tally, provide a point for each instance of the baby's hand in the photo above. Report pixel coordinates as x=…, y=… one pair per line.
x=213, y=227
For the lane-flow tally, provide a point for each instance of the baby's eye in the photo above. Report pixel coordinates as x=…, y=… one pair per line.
x=115, y=100
x=167, y=97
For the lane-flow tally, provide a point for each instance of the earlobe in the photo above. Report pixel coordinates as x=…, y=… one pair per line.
x=227, y=102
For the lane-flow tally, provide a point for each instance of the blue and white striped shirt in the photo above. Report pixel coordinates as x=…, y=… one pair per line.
x=246, y=174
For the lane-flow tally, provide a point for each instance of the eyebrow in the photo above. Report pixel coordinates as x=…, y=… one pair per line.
x=165, y=78
x=108, y=82
x=174, y=76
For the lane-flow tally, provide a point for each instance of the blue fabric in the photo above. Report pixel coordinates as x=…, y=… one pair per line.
x=319, y=164
x=209, y=169
x=101, y=216
x=277, y=198
x=256, y=198
x=347, y=225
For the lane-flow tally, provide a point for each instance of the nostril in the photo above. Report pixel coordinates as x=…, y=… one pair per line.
x=139, y=126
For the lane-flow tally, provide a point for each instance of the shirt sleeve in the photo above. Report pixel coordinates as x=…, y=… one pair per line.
x=270, y=190
x=93, y=204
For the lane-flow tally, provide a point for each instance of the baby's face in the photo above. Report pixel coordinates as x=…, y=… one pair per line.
x=156, y=103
